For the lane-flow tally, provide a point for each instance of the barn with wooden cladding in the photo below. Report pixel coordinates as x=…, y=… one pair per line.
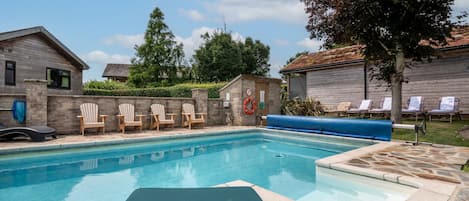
x=34, y=53
x=340, y=75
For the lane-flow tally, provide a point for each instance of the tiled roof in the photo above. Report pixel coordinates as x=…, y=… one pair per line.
x=460, y=37
x=116, y=70
x=351, y=54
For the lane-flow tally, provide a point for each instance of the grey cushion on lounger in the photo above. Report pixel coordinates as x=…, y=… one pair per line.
x=195, y=194
x=36, y=133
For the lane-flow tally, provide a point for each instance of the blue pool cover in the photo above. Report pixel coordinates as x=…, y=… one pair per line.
x=357, y=128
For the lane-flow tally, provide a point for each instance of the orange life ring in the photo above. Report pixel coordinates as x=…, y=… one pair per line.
x=249, y=101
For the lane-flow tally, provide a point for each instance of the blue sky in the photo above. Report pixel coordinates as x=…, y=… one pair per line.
x=105, y=31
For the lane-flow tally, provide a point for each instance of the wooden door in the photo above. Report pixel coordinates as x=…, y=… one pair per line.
x=262, y=98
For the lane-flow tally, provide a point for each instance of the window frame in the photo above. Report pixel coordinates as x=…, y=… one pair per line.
x=60, y=87
x=14, y=73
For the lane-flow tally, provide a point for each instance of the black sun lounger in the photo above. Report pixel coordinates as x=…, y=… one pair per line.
x=36, y=133
x=195, y=194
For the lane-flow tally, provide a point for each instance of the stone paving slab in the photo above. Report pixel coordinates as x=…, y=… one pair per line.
x=93, y=137
x=439, y=163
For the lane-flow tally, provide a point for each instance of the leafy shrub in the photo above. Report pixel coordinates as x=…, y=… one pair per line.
x=106, y=85
x=180, y=90
x=308, y=107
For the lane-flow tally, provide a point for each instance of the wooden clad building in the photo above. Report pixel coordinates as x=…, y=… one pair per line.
x=339, y=75
x=34, y=53
x=117, y=72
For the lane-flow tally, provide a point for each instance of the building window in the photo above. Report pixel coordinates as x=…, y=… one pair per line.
x=10, y=73
x=58, y=79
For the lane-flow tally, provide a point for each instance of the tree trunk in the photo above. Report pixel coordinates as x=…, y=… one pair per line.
x=396, y=85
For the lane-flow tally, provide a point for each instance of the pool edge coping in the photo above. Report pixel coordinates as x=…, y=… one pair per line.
x=67, y=145
x=13, y=150
x=425, y=188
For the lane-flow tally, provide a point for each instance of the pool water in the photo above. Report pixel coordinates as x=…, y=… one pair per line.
x=278, y=163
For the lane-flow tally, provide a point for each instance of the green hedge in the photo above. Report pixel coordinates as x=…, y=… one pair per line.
x=180, y=90
x=106, y=85
x=151, y=92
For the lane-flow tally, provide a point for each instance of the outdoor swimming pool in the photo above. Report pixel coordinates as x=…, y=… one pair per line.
x=277, y=161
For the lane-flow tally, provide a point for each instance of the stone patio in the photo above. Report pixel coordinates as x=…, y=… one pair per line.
x=109, y=136
x=438, y=162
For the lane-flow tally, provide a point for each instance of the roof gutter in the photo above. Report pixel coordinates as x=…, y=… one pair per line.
x=454, y=47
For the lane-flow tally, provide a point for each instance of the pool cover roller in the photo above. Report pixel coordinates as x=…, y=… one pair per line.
x=357, y=128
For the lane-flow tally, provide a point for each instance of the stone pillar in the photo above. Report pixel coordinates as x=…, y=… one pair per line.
x=201, y=100
x=36, y=102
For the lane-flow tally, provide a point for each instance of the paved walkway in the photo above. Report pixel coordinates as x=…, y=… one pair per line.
x=436, y=162
x=93, y=136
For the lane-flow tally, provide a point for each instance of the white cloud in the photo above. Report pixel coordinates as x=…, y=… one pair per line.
x=289, y=11
x=275, y=68
x=281, y=42
x=192, y=42
x=127, y=41
x=311, y=45
x=462, y=4
x=194, y=15
x=100, y=57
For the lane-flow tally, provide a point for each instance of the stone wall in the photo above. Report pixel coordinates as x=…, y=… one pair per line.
x=216, y=112
x=61, y=111
x=237, y=89
x=6, y=101
x=36, y=102
x=236, y=101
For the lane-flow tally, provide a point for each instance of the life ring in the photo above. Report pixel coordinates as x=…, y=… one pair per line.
x=249, y=101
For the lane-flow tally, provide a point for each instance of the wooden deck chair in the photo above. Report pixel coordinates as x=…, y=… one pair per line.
x=190, y=117
x=159, y=116
x=342, y=108
x=89, y=117
x=448, y=106
x=126, y=117
x=365, y=106
x=414, y=107
x=385, y=109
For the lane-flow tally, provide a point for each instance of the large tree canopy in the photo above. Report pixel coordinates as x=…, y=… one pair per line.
x=158, y=59
x=221, y=58
x=391, y=31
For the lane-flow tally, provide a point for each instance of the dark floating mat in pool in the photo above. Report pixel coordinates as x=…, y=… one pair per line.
x=195, y=194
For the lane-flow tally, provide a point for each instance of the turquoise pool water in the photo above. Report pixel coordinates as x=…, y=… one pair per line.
x=276, y=162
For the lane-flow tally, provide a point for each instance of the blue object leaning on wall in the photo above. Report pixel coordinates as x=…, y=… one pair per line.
x=19, y=111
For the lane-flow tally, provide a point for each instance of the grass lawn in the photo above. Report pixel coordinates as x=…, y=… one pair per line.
x=438, y=132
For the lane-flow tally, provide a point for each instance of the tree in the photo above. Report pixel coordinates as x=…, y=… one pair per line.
x=221, y=58
x=218, y=59
x=255, y=57
x=158, y=58
x=298, y=54
x=291, y=59
x=391, y=32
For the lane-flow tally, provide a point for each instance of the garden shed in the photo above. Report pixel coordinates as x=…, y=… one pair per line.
x=260, y=95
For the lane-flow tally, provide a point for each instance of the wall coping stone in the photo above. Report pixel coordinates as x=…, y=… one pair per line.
x=87, y=96
x=35, y=80
x=123, y=97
